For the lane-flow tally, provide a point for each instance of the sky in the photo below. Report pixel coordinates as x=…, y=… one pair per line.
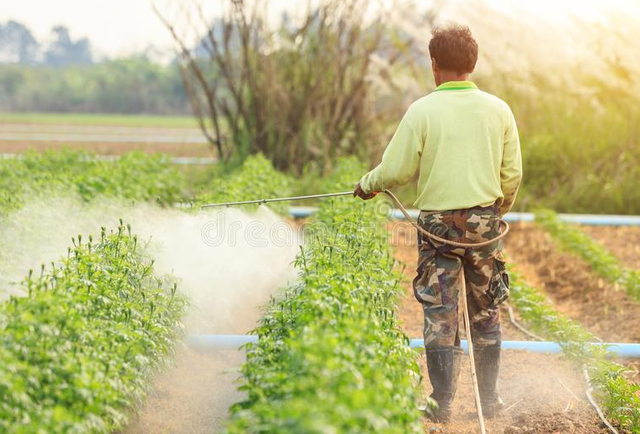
x=121, y=27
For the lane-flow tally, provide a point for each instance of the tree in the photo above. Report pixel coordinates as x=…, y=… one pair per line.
x=299, y=93
x=63, y=51
x=17, y=44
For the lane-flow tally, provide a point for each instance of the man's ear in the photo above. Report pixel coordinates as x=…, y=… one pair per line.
x=434, y=64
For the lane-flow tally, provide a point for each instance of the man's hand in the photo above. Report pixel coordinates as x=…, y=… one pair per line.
x=357, y=191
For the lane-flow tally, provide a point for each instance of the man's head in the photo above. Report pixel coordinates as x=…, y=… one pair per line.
x=453, y=53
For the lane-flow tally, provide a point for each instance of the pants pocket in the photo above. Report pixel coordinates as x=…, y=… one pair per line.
x=426, y=286
x=499, y=284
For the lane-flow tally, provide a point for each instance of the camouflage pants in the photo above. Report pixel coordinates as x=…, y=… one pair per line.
x=437, y=285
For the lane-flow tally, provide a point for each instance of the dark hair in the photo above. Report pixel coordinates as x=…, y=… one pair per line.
x=454, y=48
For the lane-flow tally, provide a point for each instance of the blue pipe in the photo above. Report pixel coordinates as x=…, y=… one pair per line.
x=585, y=219
x=234, y=342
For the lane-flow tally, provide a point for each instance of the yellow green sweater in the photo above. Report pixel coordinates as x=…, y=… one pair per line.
x=465, y=144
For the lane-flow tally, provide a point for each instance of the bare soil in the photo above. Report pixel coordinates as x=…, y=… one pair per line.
x=543, y=393
x=193, y=396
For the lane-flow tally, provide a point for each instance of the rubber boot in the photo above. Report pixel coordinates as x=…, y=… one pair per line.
x=487, y=367
x=443, y=365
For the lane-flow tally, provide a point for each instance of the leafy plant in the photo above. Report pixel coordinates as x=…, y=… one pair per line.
x=331, y=356
x=78, y=350
x=619, y=397
x=135, y=176
x=596, y=255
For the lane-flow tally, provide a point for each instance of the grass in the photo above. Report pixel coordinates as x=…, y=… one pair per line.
x=89, y=119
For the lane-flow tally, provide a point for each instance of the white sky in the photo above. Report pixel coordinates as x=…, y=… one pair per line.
x=120, y=27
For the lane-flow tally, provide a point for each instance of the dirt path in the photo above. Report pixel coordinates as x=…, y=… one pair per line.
x=193, y=396
x=538, y=389
x=572, y=286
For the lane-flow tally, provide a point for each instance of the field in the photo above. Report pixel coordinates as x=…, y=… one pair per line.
x=311, y=333
x=86, y=119
x=124, y=303
x=102, y=134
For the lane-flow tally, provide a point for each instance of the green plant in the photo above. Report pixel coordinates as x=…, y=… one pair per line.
x=602, y=261
x=77, y=351
x=619, y=397
x=134, y=176
x=331, y=355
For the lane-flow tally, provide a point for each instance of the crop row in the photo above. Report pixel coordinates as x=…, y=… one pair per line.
x=78, y=350
x=331, y=356
x=619, y=397
x=134, y=176
x=597, y=256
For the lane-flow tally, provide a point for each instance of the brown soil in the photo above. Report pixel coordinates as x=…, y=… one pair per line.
x=622, y=241
x=572, y=286
x=174, y=149
x=533, y=386
x=193, y=396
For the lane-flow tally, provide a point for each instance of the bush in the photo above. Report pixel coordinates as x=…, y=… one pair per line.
x=331, y=356
x=78, y=350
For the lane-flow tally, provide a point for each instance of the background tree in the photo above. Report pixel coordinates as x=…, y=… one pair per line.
x=17, y=44
x=64, y=51
x=297, y=92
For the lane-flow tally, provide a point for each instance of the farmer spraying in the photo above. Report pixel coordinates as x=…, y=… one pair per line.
x=464, y=143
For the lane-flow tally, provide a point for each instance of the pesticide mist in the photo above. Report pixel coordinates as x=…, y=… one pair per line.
x=227, y=263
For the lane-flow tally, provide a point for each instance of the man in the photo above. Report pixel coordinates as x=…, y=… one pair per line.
x=464, y=142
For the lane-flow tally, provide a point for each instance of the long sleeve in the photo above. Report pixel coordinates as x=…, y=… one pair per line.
x=511, y=169
x=400, y=159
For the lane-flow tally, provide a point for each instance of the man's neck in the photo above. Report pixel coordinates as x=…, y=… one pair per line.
x=446, y=76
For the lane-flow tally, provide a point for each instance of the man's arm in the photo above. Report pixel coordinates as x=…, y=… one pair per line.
x=399, y=162
x=511, y=170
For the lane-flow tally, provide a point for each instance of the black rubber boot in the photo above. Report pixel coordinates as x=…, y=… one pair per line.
x=443, y=365
x=487, y=368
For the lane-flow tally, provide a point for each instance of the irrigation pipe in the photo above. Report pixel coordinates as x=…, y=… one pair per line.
x=210, y=342
x=512, y=217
